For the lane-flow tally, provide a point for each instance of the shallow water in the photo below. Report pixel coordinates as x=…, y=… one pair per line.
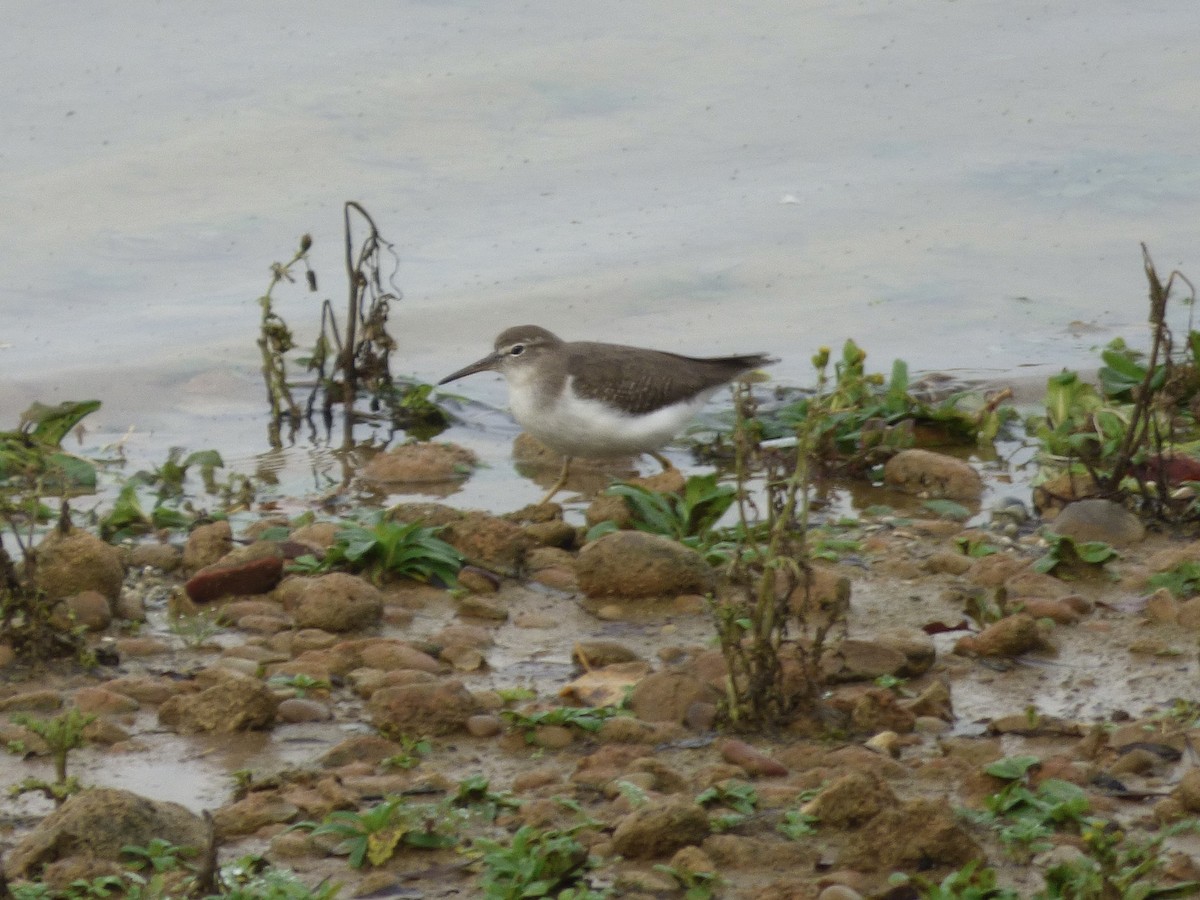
x=955, y=184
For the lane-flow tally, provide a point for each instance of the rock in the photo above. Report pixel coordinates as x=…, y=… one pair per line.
x=477, y=580
x=666, y=696
x=68, y=564
x=303, y=709
x=948, y=561
x=251, y=813
x=461, y=634
x=1187, y=792
x=164, y=557
x=433, y=708
x=207, y=544
x=752, y=761
x=917, y=647
x=420, y=463
x=936, y=475
x=102, y=701
x=877, y=709
x=917, y=833
x=1058, y=611
x=318, y=536
x=339, y=602
x=558, y=534
x=432, y=515
x=935, y=701
x=1011, y=636
x=463, y=658
x=235, y=703
x=1189, y=613
x=633, y=564
x=606, y=508
x=368, y=748
x=144, y=688
x=1063, y=489
x=489, y=542
x=851, y=800
x=484, y=725
x=248, y=570
x=598, y=653
x=660, y=829
x=90, y=609
x=854, y=659
x=388, y=655
x=475, y=606
x=839, y=892
x=45, y=700
x=1099, y=520
x=822, y=597
x=98, y=823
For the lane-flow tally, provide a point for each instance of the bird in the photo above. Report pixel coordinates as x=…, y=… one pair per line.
x=597, y=401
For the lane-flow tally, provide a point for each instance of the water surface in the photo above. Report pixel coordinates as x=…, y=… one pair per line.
x=963, y=185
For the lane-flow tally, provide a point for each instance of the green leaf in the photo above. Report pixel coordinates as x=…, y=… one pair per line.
x=53, y=423
x=1010, y=768
x=947, y=509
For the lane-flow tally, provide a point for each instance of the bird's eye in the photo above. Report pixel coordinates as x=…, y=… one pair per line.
x=517, y=350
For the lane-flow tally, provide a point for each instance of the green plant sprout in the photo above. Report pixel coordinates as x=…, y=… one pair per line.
x=62, y=734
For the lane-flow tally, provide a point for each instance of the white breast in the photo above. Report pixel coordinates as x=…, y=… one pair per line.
x=577, y=427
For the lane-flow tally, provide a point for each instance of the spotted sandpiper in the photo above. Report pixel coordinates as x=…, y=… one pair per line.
x=594, y=400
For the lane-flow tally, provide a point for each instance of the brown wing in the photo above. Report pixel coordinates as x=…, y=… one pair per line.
x=650, y=379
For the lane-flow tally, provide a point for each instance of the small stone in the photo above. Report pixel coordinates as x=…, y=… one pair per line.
x=660, y=829
x=90, y=609
x=555, y=533
x=234, y=703
x=477, y=607
x=339, y=602
x=1011, y=636
x=207, y=544
x=635, y=564
x=420, y=463
x=99, y=822
x=839, y=892
x=32, y=701
x=1187, y=792
x=596, y=654
x=248, y=570
x=77, y=561
x=303, y=709
x=478, y=580
x=752, y=761
x=164, y=557
x=552, y=737
x=433, y=708
x=484, y=725
x=463, y=658
x=1058, y=611
x=666, y=696
x=935, y=475
x=1099, y=520
x=488, y=541
x=887, y=743
x=388, y=655
x=104, y=702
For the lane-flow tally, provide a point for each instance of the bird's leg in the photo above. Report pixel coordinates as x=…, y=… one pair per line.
x=560, y=483
x=666, y=464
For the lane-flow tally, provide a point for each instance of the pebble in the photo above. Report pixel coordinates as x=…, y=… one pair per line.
x=303, y=709
x=484, y=725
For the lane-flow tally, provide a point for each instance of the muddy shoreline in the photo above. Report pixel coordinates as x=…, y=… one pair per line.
x=315, y=694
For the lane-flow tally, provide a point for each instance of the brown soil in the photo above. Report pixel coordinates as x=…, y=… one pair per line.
x=1113, y=673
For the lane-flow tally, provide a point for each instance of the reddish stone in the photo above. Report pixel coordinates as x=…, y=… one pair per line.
x=751, y=760
x=253, y=576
